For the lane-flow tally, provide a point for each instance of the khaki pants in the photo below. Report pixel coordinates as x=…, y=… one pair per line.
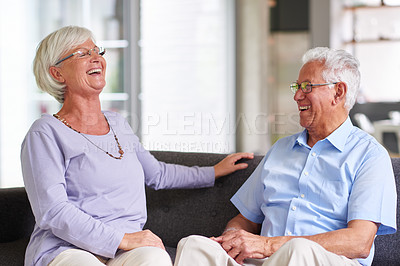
x=198, y=250
x=144, y=256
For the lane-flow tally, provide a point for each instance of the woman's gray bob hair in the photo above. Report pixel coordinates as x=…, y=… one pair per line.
x=50, y=50
x=339, y=66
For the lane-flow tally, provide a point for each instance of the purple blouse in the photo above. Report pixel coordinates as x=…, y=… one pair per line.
x=81, y=197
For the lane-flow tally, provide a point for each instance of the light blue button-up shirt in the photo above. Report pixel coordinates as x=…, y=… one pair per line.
x=298, y=190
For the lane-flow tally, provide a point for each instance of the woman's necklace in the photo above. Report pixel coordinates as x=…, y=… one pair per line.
x=121, y=152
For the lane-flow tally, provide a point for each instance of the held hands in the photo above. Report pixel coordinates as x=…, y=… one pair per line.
x=240, y=244
x=228, y=164
x=143, y=238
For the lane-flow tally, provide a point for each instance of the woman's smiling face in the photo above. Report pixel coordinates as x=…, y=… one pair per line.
x=84, y=75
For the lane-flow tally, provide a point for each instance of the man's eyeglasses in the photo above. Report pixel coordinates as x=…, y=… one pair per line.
x=306, y=86
x=83, y=53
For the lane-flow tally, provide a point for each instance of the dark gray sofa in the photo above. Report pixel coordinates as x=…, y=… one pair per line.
x=172, y=214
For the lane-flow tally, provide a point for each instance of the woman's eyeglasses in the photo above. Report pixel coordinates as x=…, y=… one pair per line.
x=83, y=53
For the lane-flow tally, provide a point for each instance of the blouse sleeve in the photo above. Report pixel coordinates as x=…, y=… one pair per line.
x=160, y=175
x=43, y=167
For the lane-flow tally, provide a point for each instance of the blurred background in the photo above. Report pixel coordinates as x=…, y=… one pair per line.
x=202, y=75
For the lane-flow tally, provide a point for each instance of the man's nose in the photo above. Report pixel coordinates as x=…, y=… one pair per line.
x=298, y=95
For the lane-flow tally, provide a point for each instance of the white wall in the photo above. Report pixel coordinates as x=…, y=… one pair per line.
x=320, y=22
x=253, y=96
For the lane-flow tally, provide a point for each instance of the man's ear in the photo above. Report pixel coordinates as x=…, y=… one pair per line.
x=56, y=74
x=341, y=91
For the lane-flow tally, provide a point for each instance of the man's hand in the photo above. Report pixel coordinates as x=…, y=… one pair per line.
x=240, y=245
x=144, y=238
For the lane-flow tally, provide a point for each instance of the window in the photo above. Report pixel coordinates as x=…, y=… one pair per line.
x=187, y=70
x=374, y=25
x=21, y=102
x=187, y=81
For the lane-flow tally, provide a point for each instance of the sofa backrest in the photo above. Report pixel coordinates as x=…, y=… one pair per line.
x=16, y=218
x=173, y=215
x=387, y=247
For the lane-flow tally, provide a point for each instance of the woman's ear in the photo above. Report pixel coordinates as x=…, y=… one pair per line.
x=56, y=74
x=341, y=91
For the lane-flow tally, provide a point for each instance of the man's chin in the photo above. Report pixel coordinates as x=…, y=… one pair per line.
x=305, y=123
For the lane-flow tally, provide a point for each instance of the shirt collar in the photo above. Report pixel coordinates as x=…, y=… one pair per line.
x=337, y=138
x=302, y=138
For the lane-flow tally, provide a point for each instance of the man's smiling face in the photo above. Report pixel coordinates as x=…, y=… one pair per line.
x=315, y=108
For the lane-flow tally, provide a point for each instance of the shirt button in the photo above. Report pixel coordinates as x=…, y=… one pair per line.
x=314, y=154
x=302, y=196
x=293, y=208
x=306, y=173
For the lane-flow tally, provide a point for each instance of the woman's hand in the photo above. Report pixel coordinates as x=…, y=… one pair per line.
x=228, y=164
x=144, y=238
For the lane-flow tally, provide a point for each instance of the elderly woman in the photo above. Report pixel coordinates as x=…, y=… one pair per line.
x=85, y=170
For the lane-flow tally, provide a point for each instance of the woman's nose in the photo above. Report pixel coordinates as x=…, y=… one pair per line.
x=95, y=57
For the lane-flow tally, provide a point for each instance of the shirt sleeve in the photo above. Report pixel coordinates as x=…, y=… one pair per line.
x=249, y=198
x=160, y=175
x=373, y=195
x=43, y=170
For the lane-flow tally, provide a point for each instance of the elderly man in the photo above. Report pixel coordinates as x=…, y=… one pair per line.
x=318, y=197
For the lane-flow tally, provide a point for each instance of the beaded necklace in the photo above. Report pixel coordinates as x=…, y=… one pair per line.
x=121, y=152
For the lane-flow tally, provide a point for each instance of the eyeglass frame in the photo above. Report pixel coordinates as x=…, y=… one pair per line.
x=101, y=52
x=299, y=86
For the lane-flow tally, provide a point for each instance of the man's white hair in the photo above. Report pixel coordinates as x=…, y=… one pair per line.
x=339, y=66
